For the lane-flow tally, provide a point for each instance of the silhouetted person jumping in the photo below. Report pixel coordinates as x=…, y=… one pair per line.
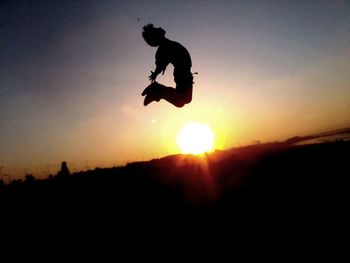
x=168, y=52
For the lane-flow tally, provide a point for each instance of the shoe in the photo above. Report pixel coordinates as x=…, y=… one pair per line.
x=152, y=86
x=154, y=96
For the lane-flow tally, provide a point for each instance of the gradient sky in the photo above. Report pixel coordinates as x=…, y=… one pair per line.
x=71, y=74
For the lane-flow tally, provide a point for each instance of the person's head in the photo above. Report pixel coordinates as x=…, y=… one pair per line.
x=153, y=36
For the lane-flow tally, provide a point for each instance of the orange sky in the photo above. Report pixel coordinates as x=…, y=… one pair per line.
x=73, y=75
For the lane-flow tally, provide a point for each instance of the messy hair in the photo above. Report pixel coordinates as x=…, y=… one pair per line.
x=151, y=33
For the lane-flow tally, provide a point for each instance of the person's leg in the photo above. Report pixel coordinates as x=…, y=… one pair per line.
x=153, y=86
x=174, y=96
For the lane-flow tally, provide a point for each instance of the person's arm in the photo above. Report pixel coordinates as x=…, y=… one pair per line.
x=156, y=72
x=161, y=64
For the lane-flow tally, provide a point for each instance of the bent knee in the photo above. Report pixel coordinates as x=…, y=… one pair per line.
x=183, y=102
x=188, y=100
x=179, y=104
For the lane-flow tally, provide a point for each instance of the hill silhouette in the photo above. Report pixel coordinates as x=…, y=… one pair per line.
x=253, y=179
x=303, y=139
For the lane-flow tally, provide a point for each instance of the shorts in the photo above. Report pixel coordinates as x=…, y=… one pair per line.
x=183, y=80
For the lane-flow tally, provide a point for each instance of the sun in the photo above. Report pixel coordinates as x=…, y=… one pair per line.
x=195, y=138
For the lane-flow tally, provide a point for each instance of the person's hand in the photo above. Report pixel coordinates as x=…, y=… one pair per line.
x=152, y=77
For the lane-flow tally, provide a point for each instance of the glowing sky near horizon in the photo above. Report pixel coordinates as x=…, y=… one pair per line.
x=71, y=74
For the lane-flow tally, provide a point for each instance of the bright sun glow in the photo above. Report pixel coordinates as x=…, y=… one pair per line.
x=195, y=138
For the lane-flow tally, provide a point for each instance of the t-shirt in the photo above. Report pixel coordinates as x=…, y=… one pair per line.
x=172, y=52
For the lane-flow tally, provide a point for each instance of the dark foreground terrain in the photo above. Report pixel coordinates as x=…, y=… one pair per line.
x=278, y=179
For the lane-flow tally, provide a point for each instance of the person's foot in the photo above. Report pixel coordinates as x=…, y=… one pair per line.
x=154, y=95
x=151, y=87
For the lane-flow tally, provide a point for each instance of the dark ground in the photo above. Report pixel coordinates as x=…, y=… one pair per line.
x=267, y=176
x=267, y=186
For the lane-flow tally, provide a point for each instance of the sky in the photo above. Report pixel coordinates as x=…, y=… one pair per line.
x=72, y=73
